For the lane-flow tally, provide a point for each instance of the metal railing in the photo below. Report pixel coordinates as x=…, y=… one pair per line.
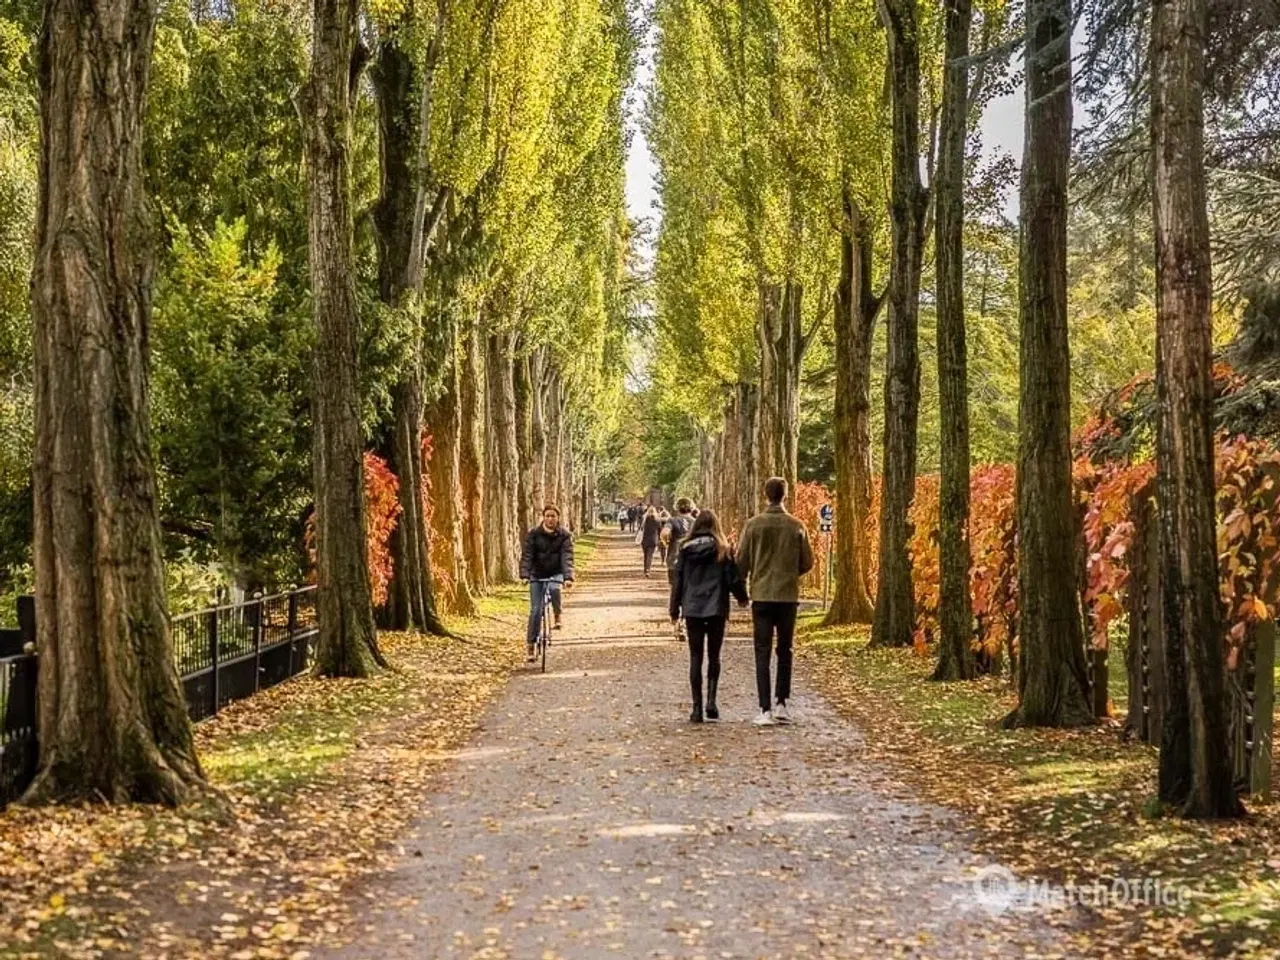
x=222, y=654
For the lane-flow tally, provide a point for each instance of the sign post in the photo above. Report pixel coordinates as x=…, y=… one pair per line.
x=826, y=521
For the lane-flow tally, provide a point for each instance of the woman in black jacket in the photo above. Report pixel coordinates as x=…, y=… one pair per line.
x=650, y=530
x=706, y=576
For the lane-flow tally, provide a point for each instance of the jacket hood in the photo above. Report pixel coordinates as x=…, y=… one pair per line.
x=700, y=548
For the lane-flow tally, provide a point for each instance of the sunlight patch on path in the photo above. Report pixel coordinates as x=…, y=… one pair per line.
x=573, y=674
x=649, y=830
x=795, y=816
x=471, y=753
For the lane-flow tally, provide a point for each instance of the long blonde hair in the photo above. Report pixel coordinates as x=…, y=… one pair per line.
x=707, y=524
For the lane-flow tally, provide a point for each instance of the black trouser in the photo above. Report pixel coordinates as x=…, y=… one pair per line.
x=705, y=633
x=648, y=549
x=766, y=618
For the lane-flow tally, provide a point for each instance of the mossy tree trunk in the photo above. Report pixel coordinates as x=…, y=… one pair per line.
x=856, y=308
x=404, y=97
x=112, y=719
x=895, y=604
x=955, y=614
x=1195, y=762
x=1053, y=680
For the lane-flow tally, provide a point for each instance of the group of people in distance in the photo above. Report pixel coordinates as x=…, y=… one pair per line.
x=629, y=517
x=704, y=573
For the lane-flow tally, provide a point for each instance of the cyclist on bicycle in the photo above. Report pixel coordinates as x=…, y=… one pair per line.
x=546, y=562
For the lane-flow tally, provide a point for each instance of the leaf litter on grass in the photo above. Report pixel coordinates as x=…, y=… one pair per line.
x=1068, y=807
x=318, y=779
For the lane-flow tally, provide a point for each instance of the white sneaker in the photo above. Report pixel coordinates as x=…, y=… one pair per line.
x=780, y=713
x=765, y=719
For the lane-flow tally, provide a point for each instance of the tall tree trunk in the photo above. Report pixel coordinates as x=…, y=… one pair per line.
x=444, y=420
x=782, y=347
x=855, y=314
x=1052, y=678
x=895, y=607
x=527, y=513
x=955, y=609
x=112, y=719
x=566, y=472
x=471, y=457
x=767, y=423
x=538, y=399
x=747, y=468
x=348, y=643
x=501, y=476
x=410, y=595
x=1195, y=762
x=726, y=498
x=554, y=464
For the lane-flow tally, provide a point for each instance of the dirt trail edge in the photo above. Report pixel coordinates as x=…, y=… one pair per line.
x=588, y=819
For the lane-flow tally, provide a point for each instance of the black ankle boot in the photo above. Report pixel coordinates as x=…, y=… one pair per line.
x=713, y=712
x=696, y=715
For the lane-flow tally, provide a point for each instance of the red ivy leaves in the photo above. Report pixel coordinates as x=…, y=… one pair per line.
x=381, y=514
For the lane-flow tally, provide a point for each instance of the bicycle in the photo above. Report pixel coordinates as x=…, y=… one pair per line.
x=548, y=611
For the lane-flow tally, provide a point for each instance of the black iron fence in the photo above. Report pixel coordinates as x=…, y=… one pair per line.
x=223, y=654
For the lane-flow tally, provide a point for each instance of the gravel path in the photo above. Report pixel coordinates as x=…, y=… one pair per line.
x=589, y=819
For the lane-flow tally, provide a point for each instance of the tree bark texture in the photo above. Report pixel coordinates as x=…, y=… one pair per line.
x=855, y=314
x=471, y=457
x=553, y=465
x=895, y=607
x=742, y=460
x=411, y=600
x=1195, y=762
x=526, y=512
x=781, y=342
x=347, y=644
x=112, y=720
x=955, y=614
x=538, y=400
x=502, y=480
x=444, y=421
x=1052, y=676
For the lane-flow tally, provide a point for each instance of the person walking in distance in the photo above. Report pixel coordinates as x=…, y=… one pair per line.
x=773, y=555
x=675, y=530
x=546, y=562
x=650, y=529
x=705, y=576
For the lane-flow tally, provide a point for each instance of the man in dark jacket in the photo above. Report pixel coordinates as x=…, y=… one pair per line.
x=774, y=553
x=546, y=562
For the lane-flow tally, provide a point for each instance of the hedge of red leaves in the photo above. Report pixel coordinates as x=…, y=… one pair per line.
x=1113, y=494
x=806, y=501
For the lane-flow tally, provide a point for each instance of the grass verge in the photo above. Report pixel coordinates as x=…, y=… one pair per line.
x=1070, y=807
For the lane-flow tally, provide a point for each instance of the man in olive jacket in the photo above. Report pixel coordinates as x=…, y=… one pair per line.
x=773, y=555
